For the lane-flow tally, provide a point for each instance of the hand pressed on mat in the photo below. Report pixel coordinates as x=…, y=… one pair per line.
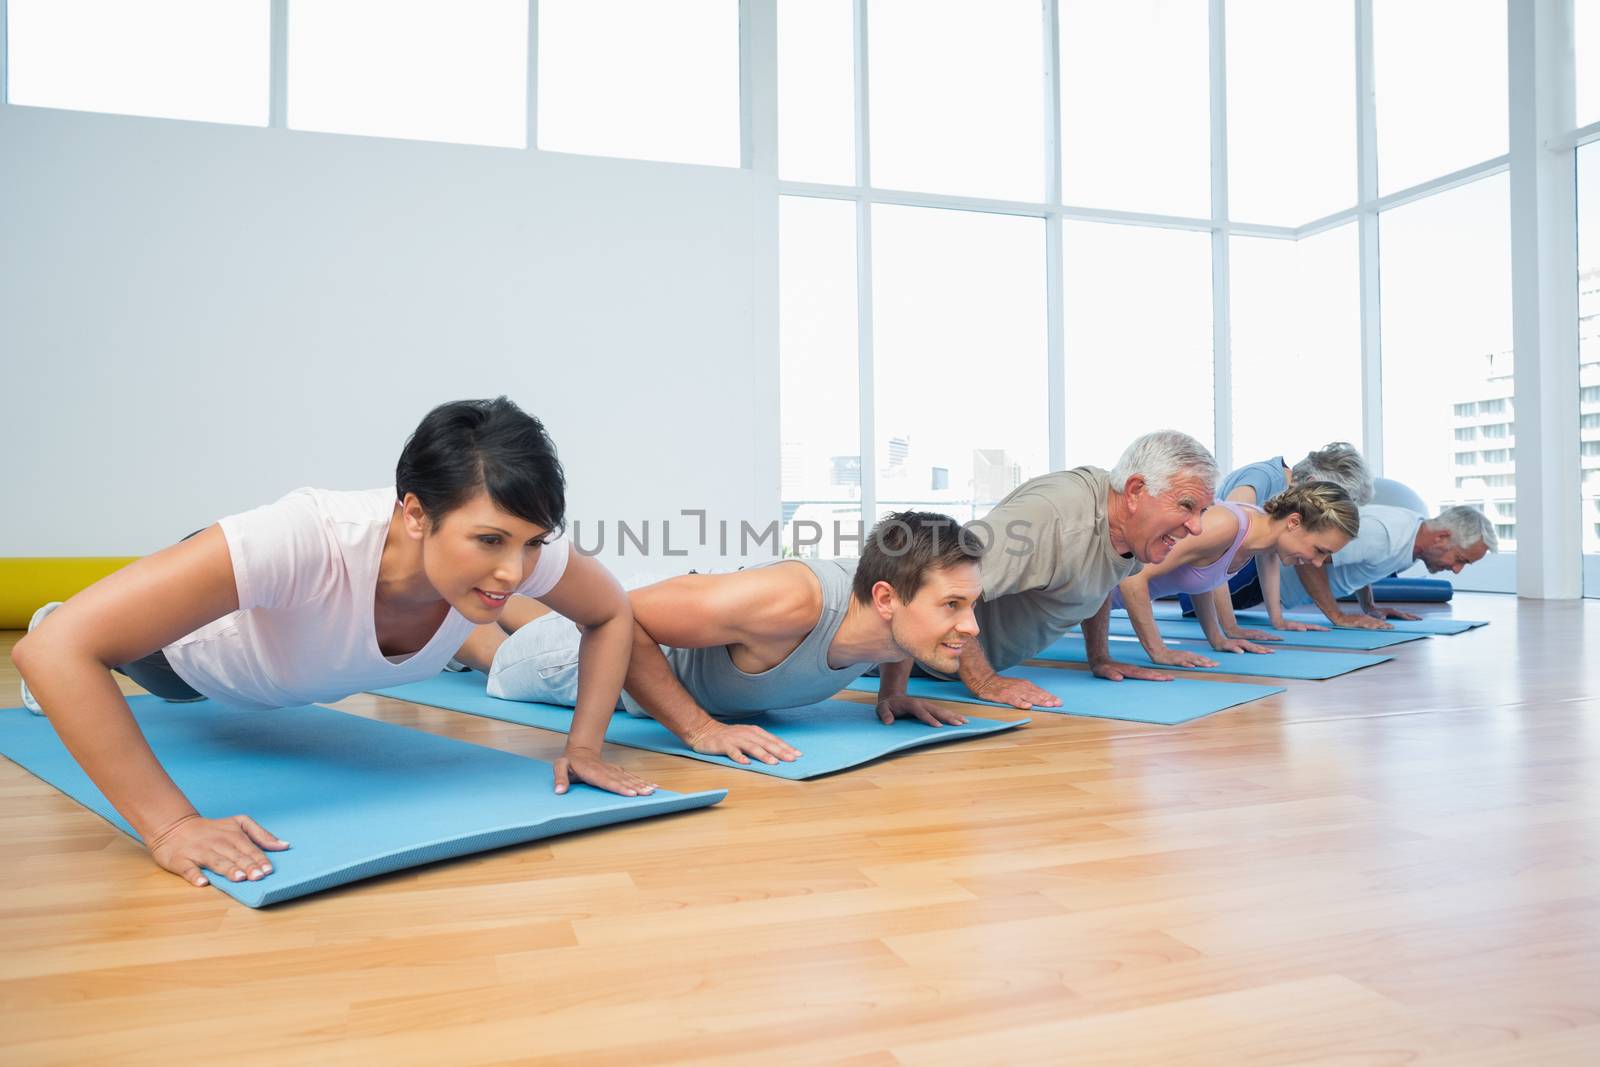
x=587, y=765
x=924, y=711
x=231, y=847
x=1177, y=657
x=1113, y=671
x=740, y=742
x=1018, y=692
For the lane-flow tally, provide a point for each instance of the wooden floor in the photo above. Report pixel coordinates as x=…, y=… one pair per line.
x=1401, y=866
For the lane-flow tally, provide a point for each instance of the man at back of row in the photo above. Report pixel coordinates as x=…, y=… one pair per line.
x=1391, y=540
x=710, y=649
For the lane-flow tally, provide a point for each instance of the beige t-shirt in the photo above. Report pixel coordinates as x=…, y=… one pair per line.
x=1049, y=564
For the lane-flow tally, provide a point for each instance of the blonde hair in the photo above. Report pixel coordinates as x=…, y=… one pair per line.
x=1320, y=505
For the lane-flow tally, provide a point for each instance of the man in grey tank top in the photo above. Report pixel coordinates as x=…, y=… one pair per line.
x=709, y=648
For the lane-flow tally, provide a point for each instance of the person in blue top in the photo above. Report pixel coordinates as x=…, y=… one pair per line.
x=1256, y=483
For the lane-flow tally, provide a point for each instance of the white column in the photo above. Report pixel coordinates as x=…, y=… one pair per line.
x=1544, y=299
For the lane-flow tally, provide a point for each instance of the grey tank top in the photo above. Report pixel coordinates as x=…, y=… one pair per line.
x=803, y=677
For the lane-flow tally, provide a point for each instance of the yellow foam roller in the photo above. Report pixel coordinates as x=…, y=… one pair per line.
x=29, y=581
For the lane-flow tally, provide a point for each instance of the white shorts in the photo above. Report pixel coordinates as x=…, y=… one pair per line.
x=539, y=663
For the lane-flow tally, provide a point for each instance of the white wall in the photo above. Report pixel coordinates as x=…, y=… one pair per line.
x=196, y=318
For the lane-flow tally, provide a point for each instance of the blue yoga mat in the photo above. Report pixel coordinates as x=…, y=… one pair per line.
x=1081, y=693
x=833, y=735
x=1173, y=629
x=1281, y=663
x=353, y=796
x=1437, y=627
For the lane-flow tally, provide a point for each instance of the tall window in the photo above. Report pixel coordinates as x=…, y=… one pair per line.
x=1129, y=68
x=820, y=432
x=957, y=97
x=1586, y=34
x=1296, y=332
x=816, y=91
x=1137, y=305
x=1589, y=345
x=1440, y=69
x=646, y=79
x=959, y=343
x=431, y=70
x=1291, y=118
x=205, y=60
x=1447, y=341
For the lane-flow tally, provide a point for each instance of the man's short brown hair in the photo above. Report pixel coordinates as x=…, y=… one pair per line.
x=905, y=547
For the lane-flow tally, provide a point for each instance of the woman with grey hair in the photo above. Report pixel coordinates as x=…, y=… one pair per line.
x=1338, y=462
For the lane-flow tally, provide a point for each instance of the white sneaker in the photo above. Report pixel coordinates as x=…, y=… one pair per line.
x=33, y=624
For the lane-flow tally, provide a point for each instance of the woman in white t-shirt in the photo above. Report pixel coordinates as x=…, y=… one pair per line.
x=321, y=595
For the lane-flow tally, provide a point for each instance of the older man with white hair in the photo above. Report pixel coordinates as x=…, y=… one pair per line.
x=1391, y=539
x=1057, y=546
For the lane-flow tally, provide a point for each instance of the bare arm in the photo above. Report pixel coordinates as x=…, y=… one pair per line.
x=67, y=663
x=1217, y=532
x=589, y=596
x=1315, y=579
x=1097, y=643
x=703, y=611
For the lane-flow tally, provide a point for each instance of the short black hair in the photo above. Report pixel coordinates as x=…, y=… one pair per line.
x=467, y=445
x=905, y=546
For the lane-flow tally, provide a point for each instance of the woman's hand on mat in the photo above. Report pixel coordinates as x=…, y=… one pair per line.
x=587, y=765
x=1231, y=645
x=739, y=743
x=231, y=847
x=1239, y=633
x=1361, y=622
x=926, y=711
x=1018, y=692
x=1177, y=657
x=1113, y=671
x=1295, y=626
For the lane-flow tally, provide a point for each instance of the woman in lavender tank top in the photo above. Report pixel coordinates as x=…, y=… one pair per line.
x=1304, y=524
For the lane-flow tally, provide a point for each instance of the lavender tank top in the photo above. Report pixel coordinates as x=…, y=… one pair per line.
x=1191, y=579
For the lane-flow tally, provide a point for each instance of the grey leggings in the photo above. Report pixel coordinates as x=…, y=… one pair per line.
x=156, y=674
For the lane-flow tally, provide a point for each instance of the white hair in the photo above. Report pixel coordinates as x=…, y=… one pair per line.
x=1466, y=526
x=1340, y=463
x=1162, y=456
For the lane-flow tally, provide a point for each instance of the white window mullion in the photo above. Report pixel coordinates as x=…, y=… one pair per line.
x=1367, y=208
x=277, y=64
x=1055, y=332
x=532, y=87
x=865, y=393
x=758, y=85
x=1221, y=343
